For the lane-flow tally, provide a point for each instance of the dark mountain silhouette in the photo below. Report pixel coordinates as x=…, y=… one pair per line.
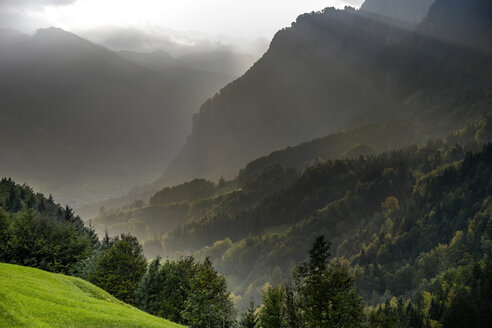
x=336, y=68
x=406, y=11
x=465, y=23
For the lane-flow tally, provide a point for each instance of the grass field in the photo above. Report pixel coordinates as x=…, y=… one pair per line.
x=35, y=298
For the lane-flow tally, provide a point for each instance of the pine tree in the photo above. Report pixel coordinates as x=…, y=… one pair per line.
x=249, y=318
x=326, y=294
x=148, y=292
x=291, y=309
x=120, y=268
x=208, y=305
x=272, y=313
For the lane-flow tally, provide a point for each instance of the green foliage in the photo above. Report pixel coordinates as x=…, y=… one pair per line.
x=326, y=294
x=36, y=232
x=272, y=312
x=208, y=304
x=189, y=191
x=187, y=292
x=397, y=218
x=459, y=297
x=249, y=318
x=117, y=267
x=148, y=295
x=36, y=241
x=165, y=287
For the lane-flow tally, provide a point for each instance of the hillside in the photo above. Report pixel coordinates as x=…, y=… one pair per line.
x=337, y=68
x=254, y=227
x=388, y=216
x=160, y=216
x=35, y=298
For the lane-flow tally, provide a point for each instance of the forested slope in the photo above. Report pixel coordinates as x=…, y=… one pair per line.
x=174, y=206
x=255, y=227
x=37, y=232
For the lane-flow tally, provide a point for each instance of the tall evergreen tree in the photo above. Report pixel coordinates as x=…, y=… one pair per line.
x=272, y=313
x=148, y=294
x=326, y=294
x=208, y=304
x=292, y=319
x=249, y=318
x=120, y=268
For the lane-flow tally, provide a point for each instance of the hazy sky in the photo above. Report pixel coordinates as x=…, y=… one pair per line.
x=146, y=23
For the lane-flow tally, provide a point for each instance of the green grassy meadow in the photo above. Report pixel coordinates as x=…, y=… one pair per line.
x=35, y=298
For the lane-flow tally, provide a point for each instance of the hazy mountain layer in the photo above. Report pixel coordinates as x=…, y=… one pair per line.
x=222, y=62
x=161, y=216
x=196, y=79
x=83, y=122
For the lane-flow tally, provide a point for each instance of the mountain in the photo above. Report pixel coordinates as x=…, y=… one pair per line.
x=254, y=228
x=337, y=68
x=198, y=81
x=398, y=219
x=257, y=232
x=466, y=23
x=406, y=11
x=36, y=298
x=401, y=215
x=220, y=61
x=95, y=124
x=12, y=36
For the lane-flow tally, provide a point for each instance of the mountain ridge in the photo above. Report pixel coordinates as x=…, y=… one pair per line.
x=255, y=114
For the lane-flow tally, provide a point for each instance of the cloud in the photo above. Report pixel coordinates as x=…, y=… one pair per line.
x=16, y=13
x=153, y=38
x=146, y=25
x=34, y=3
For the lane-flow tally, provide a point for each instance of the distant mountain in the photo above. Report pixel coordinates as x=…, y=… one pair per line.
x=337, y=68
x=156, y=59
x=223, y=62
x=407, y=11
x=198, y=81
x=85, y=123
x=8, y=36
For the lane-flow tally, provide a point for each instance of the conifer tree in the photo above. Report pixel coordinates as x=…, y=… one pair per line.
x=249, y=318
x=272, y=313
x=326, y=294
